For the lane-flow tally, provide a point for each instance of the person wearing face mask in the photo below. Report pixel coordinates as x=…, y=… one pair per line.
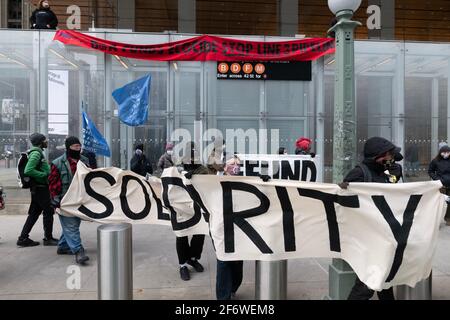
x=379, y=156
x=139, y=163
x=165, y=161
x=43, y=17
x=62, y=172
x=439, y=169
x=38, y=169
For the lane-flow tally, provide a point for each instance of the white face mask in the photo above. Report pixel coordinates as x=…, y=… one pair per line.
x=445, y=155
x=139, y=152
x=170, y=152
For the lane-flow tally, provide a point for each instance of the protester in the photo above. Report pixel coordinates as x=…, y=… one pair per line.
x=38, y=169
x=139, y=163
x=190, y=253
x=2, y=199
x=165, y=161
x=43, y=17
x=229, y=273
x=282, y=151
x=378, y=157
x=412, y=160
x=303, y=147
x=62, y=171
x=439, y=169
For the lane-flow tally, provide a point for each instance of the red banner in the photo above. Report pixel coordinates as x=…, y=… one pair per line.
x=206, y=48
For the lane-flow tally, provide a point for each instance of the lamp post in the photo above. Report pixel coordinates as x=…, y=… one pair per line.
x=341, y=275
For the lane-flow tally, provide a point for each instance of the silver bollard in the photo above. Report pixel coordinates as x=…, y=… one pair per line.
x=115, y=262
x=422, y=290
x=271, y=280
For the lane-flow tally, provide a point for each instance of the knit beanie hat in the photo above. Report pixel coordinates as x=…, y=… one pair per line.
x=303, y=143
x=36, y=139
x=71, y=141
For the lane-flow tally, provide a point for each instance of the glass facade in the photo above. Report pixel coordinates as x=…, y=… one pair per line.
x=402, y=94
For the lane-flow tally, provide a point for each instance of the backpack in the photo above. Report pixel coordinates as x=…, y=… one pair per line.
x=366, y=172
x=23, y=180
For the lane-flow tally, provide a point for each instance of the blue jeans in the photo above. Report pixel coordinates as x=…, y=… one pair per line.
x=70, y=237
x=229, y=278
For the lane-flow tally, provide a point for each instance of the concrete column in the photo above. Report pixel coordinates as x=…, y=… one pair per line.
x=448, y=100
x=387, y=31
x=108, y=104
x=320, y=110
x=398, y=108
x=126, y=13
x=43, y=88
x=434, y=116
x=186, y=16
x=287, y=17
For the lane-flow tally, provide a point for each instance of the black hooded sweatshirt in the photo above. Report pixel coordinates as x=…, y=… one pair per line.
x=373, y=148
x=40, y=18
x=439, y=168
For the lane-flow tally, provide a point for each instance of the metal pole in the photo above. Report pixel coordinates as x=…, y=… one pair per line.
x=344, y=135
x=271, y=280
x=422, y=290
x=115, y=262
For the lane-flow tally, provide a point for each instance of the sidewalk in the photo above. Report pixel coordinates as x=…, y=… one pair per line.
x=38, y=273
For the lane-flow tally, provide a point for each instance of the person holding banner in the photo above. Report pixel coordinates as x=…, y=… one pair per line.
x=303, y=147
x=229, y=273
x=62, y=171
x=139, y=163
x=439, y=169
x=190, y=253
x=379, y=155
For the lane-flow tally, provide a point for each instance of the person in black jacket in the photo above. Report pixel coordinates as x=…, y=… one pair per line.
x=139, y=163
x=43, y=17
x=439, y=169
x=379, y=155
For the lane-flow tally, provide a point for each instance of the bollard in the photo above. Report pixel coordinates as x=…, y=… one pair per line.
x=422, y=290
x=271, y=280
x=115, y=262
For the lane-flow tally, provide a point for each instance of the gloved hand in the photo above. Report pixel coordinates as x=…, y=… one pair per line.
x=443, y=190
x=189, y=175
x=312, y=154
x=343, y=185
x=264, y=177
x=55, y=203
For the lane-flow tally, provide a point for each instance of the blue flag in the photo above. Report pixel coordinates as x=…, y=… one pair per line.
x=133, y=100
x=93, y=141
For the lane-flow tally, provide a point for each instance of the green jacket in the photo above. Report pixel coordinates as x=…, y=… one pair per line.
x=65, y=173
x=37, y=167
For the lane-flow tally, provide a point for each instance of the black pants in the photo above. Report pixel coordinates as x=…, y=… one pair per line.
x=228, y=278
x=361, y=292
x=186, y=252
x=40, y=202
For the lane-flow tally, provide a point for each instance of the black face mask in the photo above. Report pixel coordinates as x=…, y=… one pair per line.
x=388, y=163
x=74, y=154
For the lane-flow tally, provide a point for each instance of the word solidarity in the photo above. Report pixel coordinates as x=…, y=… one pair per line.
x=386, y=232
x=206, y=48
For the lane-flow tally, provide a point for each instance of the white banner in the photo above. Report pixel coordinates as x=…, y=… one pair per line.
x=287, y=167
x=386, y=232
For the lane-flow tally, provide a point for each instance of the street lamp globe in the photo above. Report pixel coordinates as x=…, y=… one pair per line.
x=340, y=5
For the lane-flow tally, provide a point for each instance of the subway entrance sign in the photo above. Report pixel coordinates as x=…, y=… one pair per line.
x=266, y=70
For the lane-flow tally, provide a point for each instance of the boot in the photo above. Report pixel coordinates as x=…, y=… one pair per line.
x=27, y=242
x=81, y=257
x=50, y=241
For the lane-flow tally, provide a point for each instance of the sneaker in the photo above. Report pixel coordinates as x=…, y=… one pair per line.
x=81, y=257
x=196, y=265
x=184, y=273
x=50, y=241
x=64, y=251
x=27, y=242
